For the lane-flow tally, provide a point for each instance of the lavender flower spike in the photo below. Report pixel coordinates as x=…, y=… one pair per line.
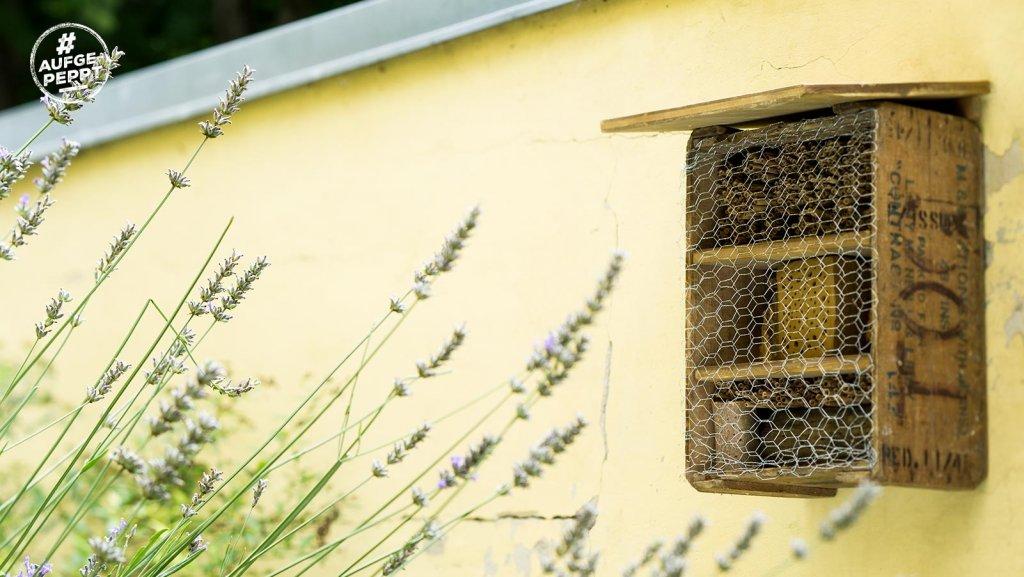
x=235, y=390
x=128, y=460
x=742, y=545
x=214, y=287
x=55, y=164
x=207, y=483
x=446, y=480
x=845, y=515
x=648, y=555
x=243, y=285
x=799, y=548
x=395, y=305
x=96, y=393
x=428, y=368
x=105, y=551
x=257, y=491
x=106, y=264
x=178, y=180
x=444, y=259
x=161, y=473
x=12, y=169
x=197, y=546
x=419, y=498
x=30, y=218
x=544, y=454
x=229, y=105
x=54, y=312
x=401, y=448
x=170, y=362
x=182, y=400
x=83, y=92
x=464, y=466
x=573, y=539
x=30, y=569
x=673, y=562
x=397, y=560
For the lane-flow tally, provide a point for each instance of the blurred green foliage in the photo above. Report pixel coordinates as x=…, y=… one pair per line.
x=149, y=31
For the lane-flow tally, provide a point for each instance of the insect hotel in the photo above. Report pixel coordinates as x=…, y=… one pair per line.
x=833, y=288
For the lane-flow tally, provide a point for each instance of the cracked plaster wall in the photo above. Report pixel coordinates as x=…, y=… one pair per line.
x=348, y=183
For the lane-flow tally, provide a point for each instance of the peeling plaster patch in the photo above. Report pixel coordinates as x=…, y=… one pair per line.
x=1009, y=234
x=490, y=567
x=1014, y=325
x=1002, y=168
x=522, y=558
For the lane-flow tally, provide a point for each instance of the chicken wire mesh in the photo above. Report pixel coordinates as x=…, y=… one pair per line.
x=779, y=298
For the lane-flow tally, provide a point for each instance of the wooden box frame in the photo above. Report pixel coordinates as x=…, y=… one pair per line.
x=925, y=247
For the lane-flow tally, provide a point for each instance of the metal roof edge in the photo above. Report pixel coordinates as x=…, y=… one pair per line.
x=284, y=57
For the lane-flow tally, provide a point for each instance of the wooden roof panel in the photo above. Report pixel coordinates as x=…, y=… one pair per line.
x=785, y=101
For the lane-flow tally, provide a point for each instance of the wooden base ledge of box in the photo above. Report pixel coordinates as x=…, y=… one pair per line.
x=757, y=488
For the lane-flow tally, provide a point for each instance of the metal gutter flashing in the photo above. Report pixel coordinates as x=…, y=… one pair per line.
x=291, y=55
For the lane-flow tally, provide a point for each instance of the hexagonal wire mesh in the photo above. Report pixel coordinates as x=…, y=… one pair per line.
x=779, y=298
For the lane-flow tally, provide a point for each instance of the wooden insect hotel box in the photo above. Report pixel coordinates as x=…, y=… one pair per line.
x=833, y=288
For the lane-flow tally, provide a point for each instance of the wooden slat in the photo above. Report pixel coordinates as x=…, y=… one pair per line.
x=780, y=251
x=739, y=110
x=830, y=401
x=929, y=326
x=845, y=476
x=760, y=488
x=785, y=368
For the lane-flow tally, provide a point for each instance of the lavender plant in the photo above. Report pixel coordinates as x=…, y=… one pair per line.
x=14, y=165
x=101, y=497
x=571, y=555
x=839, y=519
x=21, y=537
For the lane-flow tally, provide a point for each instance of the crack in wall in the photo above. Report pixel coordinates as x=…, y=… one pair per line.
x=519, y=516
x=606, y=392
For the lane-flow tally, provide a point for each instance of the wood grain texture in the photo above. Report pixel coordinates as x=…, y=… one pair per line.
x=740, y=110
x=768, y=253
x=759, y=488
x=929, y=328
x=809, y=367
x=824, y=478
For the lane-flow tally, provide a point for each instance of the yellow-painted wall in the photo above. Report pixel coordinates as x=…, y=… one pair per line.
x=348, y=183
